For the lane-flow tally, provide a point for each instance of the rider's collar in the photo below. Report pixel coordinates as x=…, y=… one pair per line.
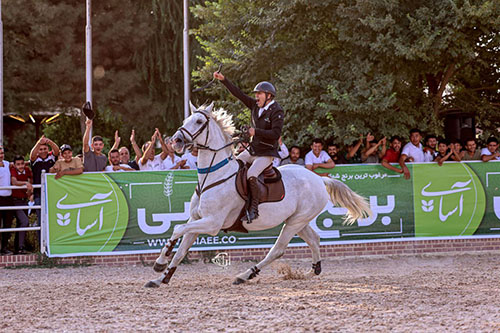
x=215, y=167
x=265, y=108
x=268, y=105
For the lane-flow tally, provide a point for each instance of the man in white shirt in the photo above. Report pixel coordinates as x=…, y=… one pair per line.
x=282, y=151
x=430, y=151
x=191, y=158
x=318, y=158
x=412, y=151
x=490, y=152
x=114, y=162
x=172, y=161
x=6, y=216
x=149, y=161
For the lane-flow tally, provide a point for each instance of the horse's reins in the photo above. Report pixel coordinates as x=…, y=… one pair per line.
x=201, y=189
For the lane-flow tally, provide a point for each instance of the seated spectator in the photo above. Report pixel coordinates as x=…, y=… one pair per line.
x=172, y=161
x=294, y=157
x=67, y=164
x=93, y=158
x=125, y=153
x=353, y=156
x=282, y=152
x=149, y=161
x=430, y=152
x=318, y=158
x=191, y=158
x=457, y=145
x=42, y=160
x=445, y=152
x=333, y=151
x=21, y=176
x=392, y=154
x=371, y=153
x=412, y=151
x=490, y=152
x=5, y=200
x=471, y=153
x=114, y=162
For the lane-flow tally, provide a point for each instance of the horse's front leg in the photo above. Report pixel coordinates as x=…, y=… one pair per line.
x=189, y=232
x=206, y=225
x=162, y=260
x=186, y=243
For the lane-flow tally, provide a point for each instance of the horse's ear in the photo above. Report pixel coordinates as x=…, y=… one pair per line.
x=192, y=107
x=210, y=107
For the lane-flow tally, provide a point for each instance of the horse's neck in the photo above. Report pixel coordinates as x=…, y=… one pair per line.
x=207, y=159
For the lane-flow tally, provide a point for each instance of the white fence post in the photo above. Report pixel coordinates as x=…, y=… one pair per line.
x=43, y=211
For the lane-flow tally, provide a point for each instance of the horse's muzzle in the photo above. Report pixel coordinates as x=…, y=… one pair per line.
x=178, y=142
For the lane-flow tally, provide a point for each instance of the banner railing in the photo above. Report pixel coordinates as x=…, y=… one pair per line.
x=135, y=212
x=28, y=207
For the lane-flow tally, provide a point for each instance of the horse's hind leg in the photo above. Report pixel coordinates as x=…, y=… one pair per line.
x=187, y=242
x=276, y=251
x=312, y=239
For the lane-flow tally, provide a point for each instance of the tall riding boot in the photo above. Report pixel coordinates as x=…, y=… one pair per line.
x=253, y=211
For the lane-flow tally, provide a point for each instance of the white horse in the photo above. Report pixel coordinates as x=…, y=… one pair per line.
x=217, y=207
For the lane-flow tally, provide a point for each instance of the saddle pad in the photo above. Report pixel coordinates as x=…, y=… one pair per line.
x=270, y=186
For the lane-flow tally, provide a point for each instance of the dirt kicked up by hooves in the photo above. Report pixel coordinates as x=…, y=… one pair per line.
x=409, y=293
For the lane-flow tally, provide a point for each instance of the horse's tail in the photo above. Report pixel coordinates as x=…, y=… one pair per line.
x=341, y=195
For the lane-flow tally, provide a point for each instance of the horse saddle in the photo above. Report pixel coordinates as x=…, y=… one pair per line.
x=271, y=189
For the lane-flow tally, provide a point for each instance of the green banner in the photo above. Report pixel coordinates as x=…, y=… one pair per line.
x=135, y=212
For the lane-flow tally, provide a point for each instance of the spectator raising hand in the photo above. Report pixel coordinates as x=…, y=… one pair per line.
x=93, y=158
x=150, y=161
x=124, y=152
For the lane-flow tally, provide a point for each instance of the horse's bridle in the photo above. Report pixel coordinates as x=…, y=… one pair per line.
x=193, y=136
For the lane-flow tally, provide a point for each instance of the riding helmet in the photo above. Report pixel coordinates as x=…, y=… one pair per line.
x=266, y=87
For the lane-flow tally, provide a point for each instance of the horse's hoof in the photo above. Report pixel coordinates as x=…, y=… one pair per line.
x=159, y=267
x=238, y=281
x=317, y=268
x=151, y=284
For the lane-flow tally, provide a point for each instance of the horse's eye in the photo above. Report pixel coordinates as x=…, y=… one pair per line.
x=199, y=121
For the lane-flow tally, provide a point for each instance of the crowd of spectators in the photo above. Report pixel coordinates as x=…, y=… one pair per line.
x=393, y=154
x=47, y=156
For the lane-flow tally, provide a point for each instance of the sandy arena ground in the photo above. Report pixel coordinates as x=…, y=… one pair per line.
x=400, y=294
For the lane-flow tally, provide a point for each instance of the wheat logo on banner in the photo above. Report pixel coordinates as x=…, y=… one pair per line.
x=168, y=188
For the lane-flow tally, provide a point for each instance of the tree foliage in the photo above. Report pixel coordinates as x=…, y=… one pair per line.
x=345, y=68
x=137, y=60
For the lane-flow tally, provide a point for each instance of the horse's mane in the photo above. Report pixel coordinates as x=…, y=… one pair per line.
x=224, y=120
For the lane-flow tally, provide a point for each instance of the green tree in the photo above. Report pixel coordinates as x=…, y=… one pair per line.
x=345, y=68
x=137, y=60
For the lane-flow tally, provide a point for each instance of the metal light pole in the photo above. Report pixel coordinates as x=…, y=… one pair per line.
x=1, y=76
x=88, y=57
x=185, y=40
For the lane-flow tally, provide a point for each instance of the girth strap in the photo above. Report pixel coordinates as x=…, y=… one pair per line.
x=198, y=192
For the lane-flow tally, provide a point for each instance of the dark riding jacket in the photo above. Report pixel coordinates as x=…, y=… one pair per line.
x=267, y=127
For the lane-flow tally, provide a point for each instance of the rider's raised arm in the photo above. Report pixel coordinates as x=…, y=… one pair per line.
x=275, y=132
x=236, y=92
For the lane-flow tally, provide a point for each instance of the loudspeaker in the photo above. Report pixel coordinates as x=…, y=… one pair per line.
x=459, y=126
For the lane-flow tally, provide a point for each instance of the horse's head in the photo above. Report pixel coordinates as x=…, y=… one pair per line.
x=194, y=129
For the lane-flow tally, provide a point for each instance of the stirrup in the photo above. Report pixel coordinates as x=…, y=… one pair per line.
x=246, y=217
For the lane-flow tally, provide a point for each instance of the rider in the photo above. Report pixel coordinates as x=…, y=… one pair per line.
x=267, y=123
